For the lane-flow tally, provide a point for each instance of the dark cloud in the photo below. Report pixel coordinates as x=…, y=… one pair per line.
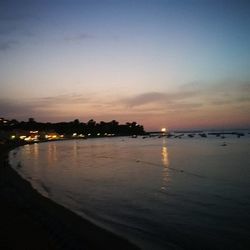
x=59, y=99
x=79, y=37
x=190, y=97
x=230, y=100
x=228, y=93
x=182, y=106
x=157, y=97
x=245, y=86
x=229, y=86
x=187, y=100
x=143, y=99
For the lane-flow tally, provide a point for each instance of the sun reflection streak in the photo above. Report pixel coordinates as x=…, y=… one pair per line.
x=165, y=162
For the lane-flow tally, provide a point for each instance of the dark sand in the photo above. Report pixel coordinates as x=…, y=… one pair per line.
x=30, y=221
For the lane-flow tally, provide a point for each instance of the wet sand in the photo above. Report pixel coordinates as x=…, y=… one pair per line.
x=31, y=221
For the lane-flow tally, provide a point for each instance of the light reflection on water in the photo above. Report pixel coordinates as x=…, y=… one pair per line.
x=52, y=153
x=160, y=193
x=165, y=163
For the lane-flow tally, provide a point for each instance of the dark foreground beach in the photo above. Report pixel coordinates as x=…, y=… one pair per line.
x=31, y=221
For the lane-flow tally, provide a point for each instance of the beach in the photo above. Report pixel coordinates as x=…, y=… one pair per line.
x=31, y=221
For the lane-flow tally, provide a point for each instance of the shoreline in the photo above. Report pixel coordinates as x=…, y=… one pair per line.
x=32, y=221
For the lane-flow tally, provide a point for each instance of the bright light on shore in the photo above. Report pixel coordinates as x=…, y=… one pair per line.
x=163, y=130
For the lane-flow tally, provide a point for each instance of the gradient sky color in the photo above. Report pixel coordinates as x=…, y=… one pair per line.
x=175, y=64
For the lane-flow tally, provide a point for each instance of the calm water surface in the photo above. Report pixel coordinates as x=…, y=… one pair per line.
x=189, y=193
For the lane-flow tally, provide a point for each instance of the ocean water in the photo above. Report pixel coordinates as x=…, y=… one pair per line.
x=160, y=193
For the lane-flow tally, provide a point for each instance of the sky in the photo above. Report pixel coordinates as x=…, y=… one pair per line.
x=163, y=63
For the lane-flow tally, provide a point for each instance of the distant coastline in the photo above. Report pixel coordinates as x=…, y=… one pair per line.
x=32, y=131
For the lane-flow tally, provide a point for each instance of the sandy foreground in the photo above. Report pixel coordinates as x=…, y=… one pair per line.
x=30, y=221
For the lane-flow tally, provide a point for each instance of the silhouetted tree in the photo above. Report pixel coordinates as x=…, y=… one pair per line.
x=68, y=128
x=31, y=120
x=76, y=122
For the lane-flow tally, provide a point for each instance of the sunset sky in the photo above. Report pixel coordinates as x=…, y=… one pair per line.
x=175, y=64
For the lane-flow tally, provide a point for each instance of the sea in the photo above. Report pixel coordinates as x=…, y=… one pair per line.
x=181, y=192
